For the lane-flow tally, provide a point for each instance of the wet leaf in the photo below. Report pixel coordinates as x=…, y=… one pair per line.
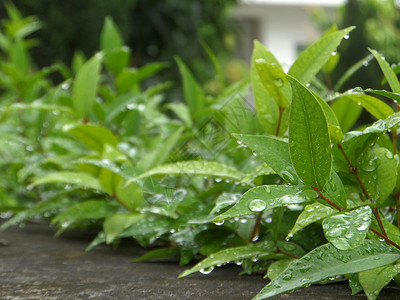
x=196, y=168
x=265, y=197
x=312, y=213
x=78, y=178
x=274, y=151
x=347, y=230
x=267, y=108
x=335, y=191
x=311, y=60
x=157, y=254
x=386, y=173
x=274, y=80
x=347, y=112
x=256, y=250
x=390, y=75
x=327, y=261
x=116, y=224
x=309, y=142
x=374, y=280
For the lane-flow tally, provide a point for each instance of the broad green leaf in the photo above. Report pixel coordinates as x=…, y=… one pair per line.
x=374, y=106
x=91, y=209
x=277, y=268
x=194, y=95
x=374, y=280
x=312, y=213
x=265, y=197
x=130, y=195
x=392, y=121
x=110, y=37
x=116, y=224
x=327, y=261
x=309, y=142
x=84, y=89
x=267, y=108
x=274, y=151
x=347, y=112
x=108, y=181
x=311, y=60
x=92, y=136
x=78, y=178
x=386, y=173
x=335, y=191
x=159, y=253
x=197, y=168
x=274, y=80
x=125, y=171
x=390, y=95
x=259, y=250
x=367, y=171
x=117, y=59
x=347, y=230
x=390, y=75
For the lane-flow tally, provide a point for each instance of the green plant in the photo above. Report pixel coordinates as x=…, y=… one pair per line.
x=298, y=196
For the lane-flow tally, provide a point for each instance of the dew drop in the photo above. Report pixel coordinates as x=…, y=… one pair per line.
x=362, y=227
x=287, y=277
x=278, y=82
x=218, y=179
x=255, y=154
x=257, y=205
x=219, y=223
x=207, y=270
x=365, y=63
x=347, y=36
x=334, y=53
x=239, y=142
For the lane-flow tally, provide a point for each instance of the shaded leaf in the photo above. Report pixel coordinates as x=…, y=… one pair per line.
x=309, y=142
x=390, y=75
x=78, y=178
x=160, y=253
x=347, y=112
x=116, y=224
x=327, y=261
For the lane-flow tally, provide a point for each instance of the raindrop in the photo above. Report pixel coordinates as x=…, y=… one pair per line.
x=346, y=37
x=243, y=221
x=219, y=223
x=308, y=85
x=257, y=205
x=255, y=154
x=389, y=154
x=334, y=53
x=131, y=106
x=393, y=122
x=362, y=227
x=333, y=186
x=287, y=176
x=365, y=63
x=218, y=179
x=278, y=82
x=207, y=270
x=65, y=86
x=239, y=142
x=239, y=262
x=287, y=277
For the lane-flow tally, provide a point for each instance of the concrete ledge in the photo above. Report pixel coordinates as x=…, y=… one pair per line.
x=34, y=265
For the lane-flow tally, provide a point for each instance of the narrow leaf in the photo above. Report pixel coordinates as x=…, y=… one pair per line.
x=311, y=60
x=347, y=112
x=390, y=75
x=116, y=224
x=78, y=178
x=265, y=197
x=258, y=250
x=309, y=142
x=327, y=261
x=274, y=151
x=110, y=37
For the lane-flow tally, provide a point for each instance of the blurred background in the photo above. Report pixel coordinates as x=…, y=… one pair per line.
x=158, y=30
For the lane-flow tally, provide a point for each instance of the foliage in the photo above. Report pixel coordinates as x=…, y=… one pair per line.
x=297, y=196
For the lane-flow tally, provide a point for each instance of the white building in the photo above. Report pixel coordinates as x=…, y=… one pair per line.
x=283, y=26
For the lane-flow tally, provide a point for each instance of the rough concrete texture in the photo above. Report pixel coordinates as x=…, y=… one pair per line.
x=34, y=265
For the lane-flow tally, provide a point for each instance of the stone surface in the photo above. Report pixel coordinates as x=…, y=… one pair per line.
x=34, y=265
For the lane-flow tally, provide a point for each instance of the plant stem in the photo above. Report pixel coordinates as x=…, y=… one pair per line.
x=328, y=81
x=323, y=197
x=354, y=171
x=388, y=241
x=278, y=128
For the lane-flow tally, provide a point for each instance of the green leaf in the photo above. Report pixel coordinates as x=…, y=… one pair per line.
x=194, y=94
x=309, y=142
x=374, y=106
x=19, y=57
x=37, y=105
x=374, y=280
x=78, y=178
x=160, y=253
x=130, y=195
x=110, y=37
x=390, y=95
x=267, y=108
x=335, y=191
x=93, y=136
x=117, y=59
x=278, y=267
x=327, y=261
x=311, y=60
x=390, y=75
x=197, y=168
x=386, y=173
x=85, y=86
x=116, y=224
x=182, y=112
x=265, y=197
x=274, y=151
x=258, y=250
x=274, y=80
x=347, y=230
x=347, y=112
x=312, y=213
x=91, y=209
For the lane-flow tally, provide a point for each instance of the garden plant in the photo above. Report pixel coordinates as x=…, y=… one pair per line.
x=294, y=188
